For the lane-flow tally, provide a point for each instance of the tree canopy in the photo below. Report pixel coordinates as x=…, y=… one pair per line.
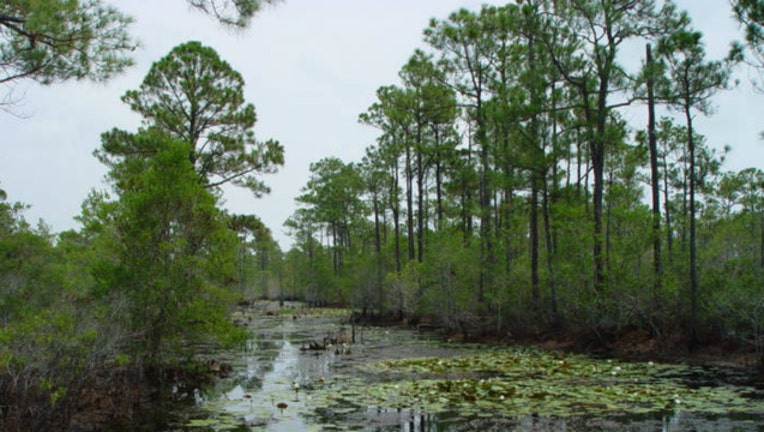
x=199, y=99
x=237, y=13
x=52, y=41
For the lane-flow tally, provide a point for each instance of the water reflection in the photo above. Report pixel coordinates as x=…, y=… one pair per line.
x=271, y=365
x=389, y=420
x=260, y=406
x=272, y=377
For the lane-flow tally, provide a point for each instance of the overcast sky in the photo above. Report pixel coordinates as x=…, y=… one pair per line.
x=310, y=68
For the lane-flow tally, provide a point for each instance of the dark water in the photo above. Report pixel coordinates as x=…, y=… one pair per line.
x=278, y=385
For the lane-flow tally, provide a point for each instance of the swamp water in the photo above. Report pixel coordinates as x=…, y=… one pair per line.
x=398, y=380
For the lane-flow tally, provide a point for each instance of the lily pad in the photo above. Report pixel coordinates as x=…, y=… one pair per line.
x=526, y=381
x=393, y=376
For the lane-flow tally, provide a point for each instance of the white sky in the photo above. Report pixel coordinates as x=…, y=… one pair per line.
x=310, y=68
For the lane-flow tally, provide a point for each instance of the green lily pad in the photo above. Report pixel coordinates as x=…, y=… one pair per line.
x=203, y=422
x=525, y=381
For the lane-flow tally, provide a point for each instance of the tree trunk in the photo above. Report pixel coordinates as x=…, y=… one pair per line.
x=685, y=193
x=534, y=239
x=608, y=218
x=550, y=241
x=377, y=229
x=420, y=198
x=486, y=243
x=335, y=250
x=507, y=204
x=466, y=197
x=378, y=250
x=598, y=165
x=655, y=185
x=550, y=252
x=410, y=202
x=669, y=229
x=579, y=162
x=395, y=208
x=693, y=257
x=537, y=165
x=438, y=182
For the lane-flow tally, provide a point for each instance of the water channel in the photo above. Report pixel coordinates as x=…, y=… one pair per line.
x=401, y=380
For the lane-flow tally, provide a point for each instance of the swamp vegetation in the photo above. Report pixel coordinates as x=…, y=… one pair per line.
x=504, y=200
x=396, y=378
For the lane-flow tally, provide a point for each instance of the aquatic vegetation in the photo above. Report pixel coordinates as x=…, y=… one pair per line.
x=517, y=382
x=394, y=376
